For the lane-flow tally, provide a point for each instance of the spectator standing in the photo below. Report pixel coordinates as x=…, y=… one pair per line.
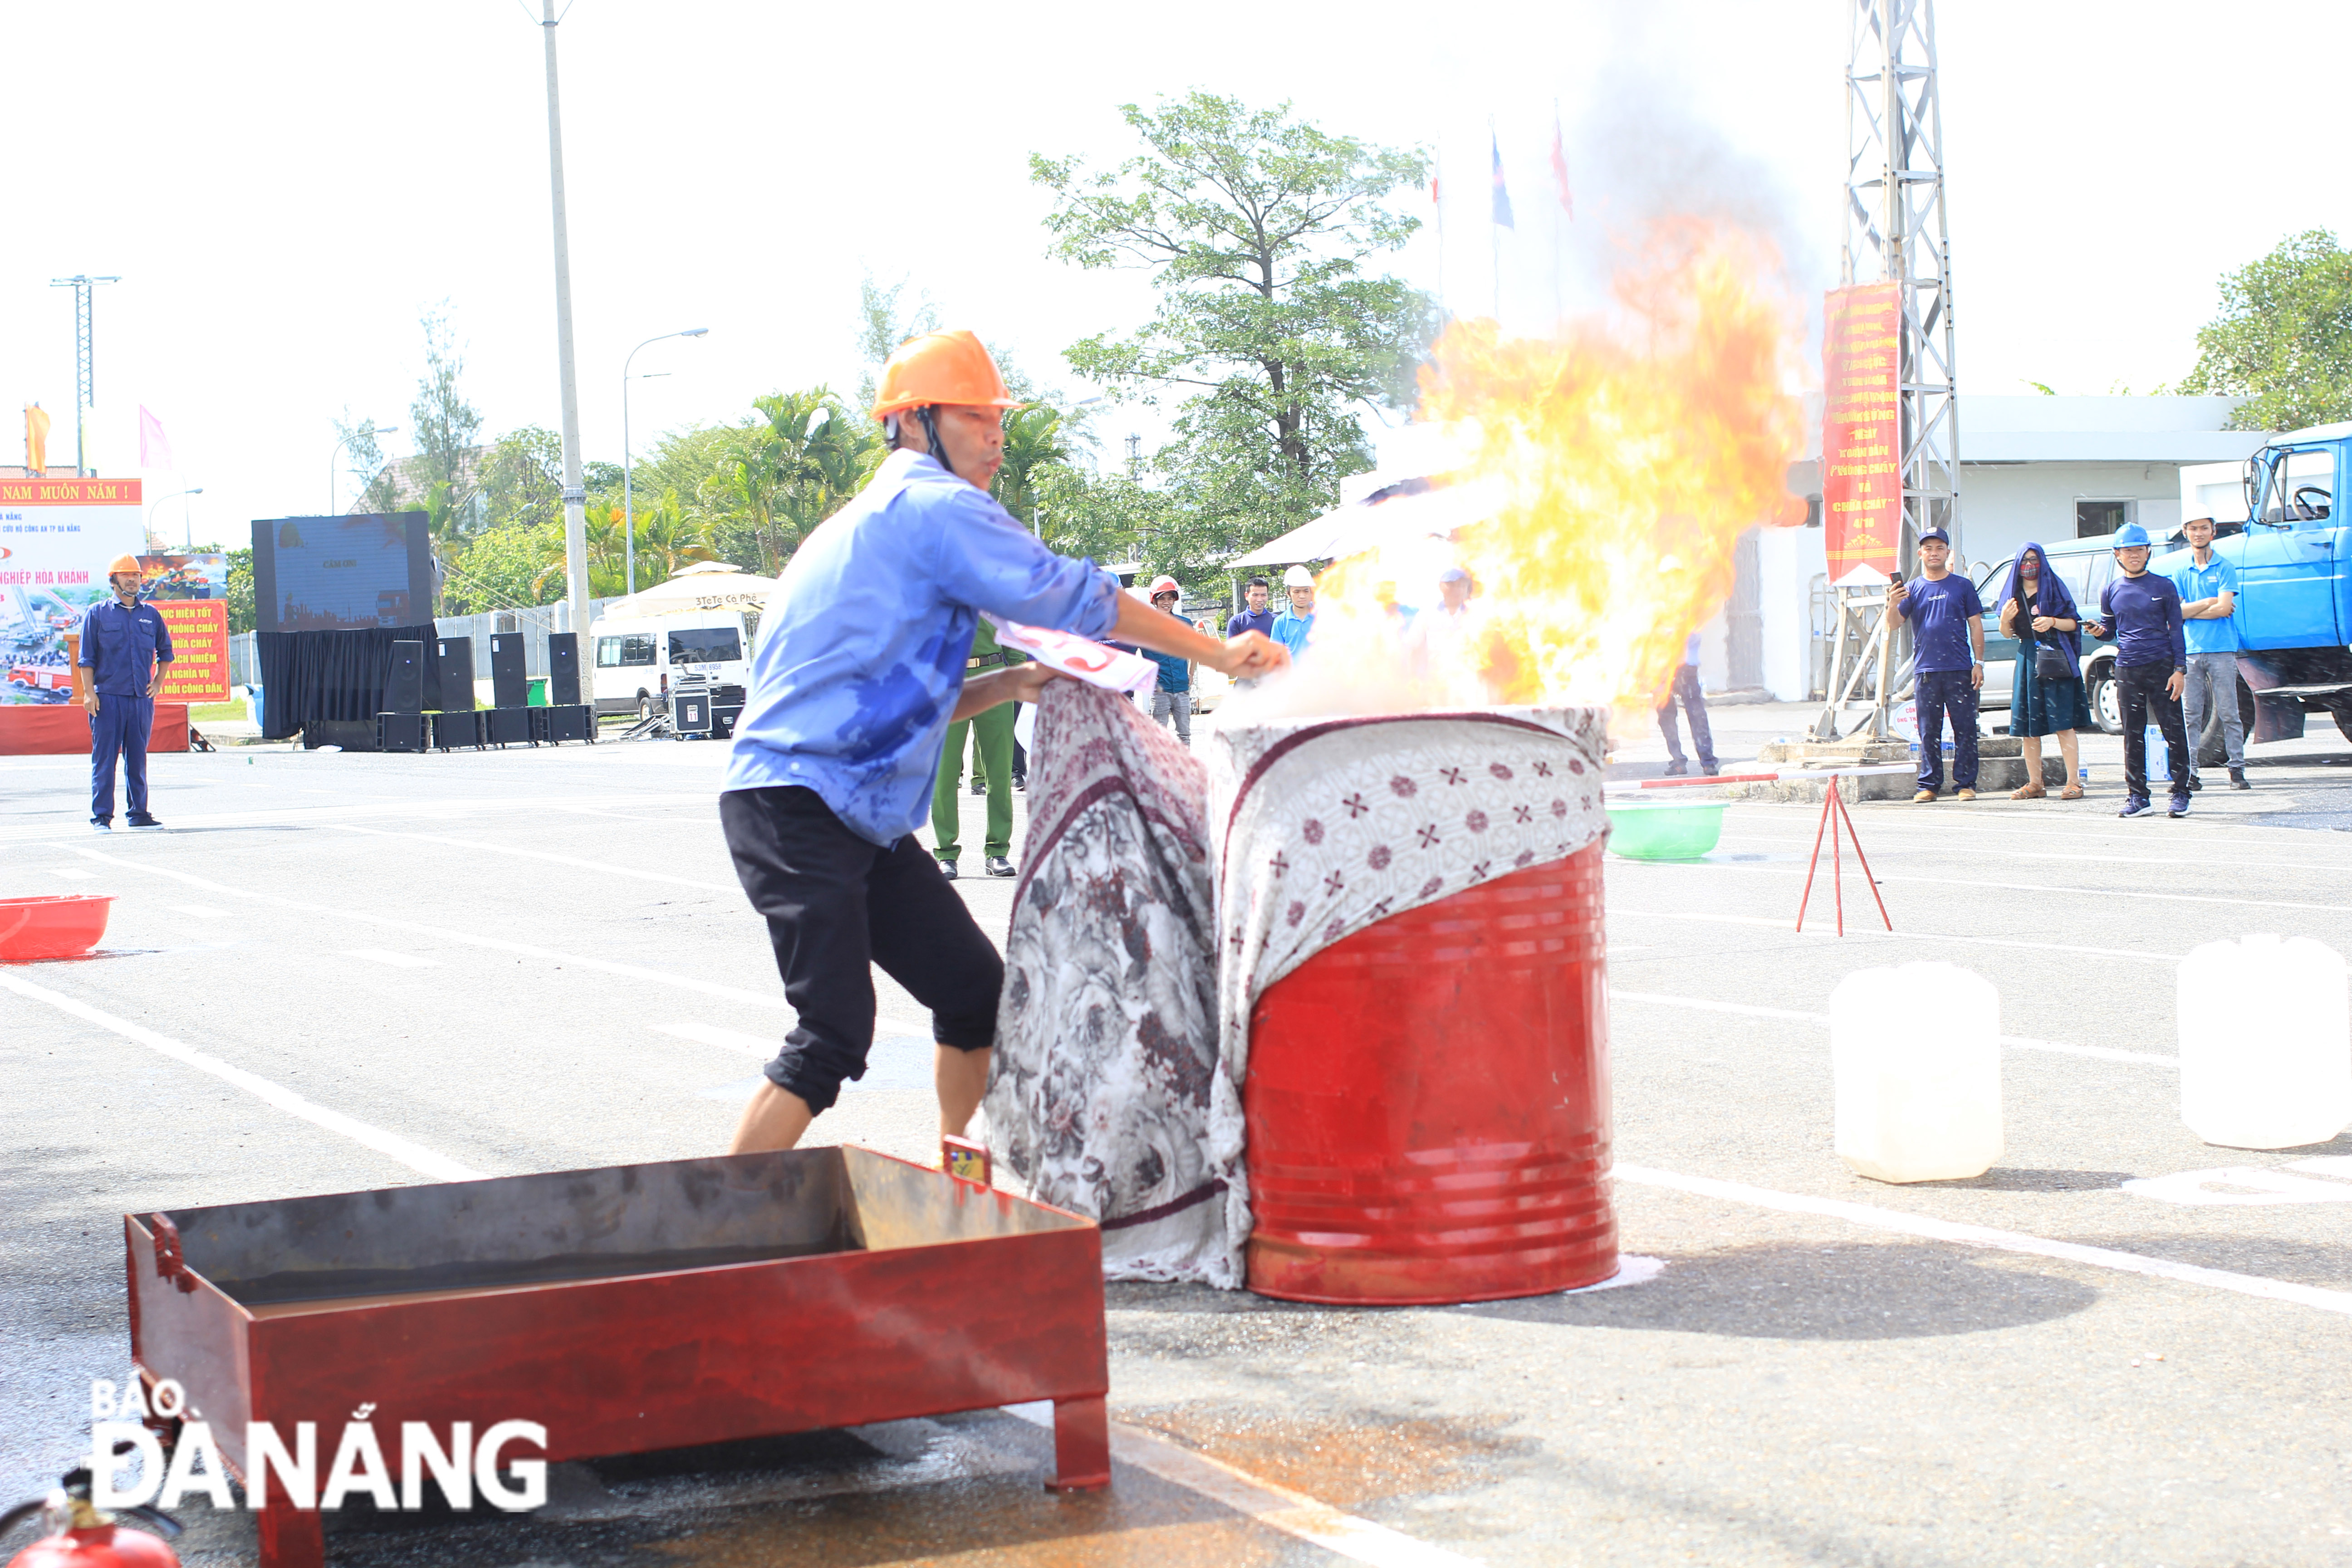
x=2142, y=612
x=2046, y=697
x=125, y=645
x=1257, y=618
x=1684, y=687
x=1171, y=694
x=1948, y=638
x=2209, y=600
x=990, y=733
x=1292, y=627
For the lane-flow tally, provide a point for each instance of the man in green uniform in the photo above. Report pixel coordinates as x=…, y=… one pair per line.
x=992, y=734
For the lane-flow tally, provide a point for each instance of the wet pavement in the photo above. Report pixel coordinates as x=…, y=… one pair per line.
x=535, y=960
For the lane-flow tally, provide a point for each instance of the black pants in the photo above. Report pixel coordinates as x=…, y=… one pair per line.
x=835, y=905
x=2141, y=690
x=1685, y=689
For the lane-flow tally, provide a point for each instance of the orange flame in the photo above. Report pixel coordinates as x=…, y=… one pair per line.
x=1620, y=463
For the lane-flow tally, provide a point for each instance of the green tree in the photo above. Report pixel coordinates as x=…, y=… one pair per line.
x=361, y=453
x=882, y=326
x=522, y=478
x=240, y=590
x=2284, y=339
x=1036, y=440
x=502, y=569
x=444, y=426
x=1256, y=226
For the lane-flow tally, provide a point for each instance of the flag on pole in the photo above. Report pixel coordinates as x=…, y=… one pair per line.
x=1502, y=192
x=1559, y=168
x=154, y=449
x=36, y=439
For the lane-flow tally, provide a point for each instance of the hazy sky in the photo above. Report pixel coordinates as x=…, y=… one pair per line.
x=284, y=189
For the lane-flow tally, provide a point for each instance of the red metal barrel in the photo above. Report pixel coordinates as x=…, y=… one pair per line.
x=1428, y=1102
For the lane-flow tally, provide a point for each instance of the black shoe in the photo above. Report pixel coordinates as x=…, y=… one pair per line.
x=102, y=824
x=947, y=869
x=1022, y=784
x=1677, y=770
x=143, y=822
x=2195, y=782
x=998, y=866
x=2238, y=779
x=1711, y=769
x=980, y=786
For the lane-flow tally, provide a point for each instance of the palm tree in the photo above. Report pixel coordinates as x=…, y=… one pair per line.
x=1034, y=440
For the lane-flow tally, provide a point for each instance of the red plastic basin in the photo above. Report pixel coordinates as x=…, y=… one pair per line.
x=52, y=925
x=1428, y=1102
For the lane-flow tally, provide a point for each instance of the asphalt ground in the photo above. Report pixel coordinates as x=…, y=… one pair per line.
x=539, y=960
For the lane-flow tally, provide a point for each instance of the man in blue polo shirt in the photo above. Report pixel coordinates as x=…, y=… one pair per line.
x=861, y=667
x=2142, y=612
x=125, y=645
x=2208, y=599
x=1948, y=636
x=1296, y=621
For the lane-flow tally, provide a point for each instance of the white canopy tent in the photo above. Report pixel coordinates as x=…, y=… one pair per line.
x=705, y=586
x=1388, y=516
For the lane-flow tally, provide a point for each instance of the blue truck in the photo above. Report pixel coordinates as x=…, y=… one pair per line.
x=2294, y=614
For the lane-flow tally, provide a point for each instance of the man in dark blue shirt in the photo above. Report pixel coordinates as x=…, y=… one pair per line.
x=2142, y=610
x=1948, y=636
x=1258, y=618
x=124, y=645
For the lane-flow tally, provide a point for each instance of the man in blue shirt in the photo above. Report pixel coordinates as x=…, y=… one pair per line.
x=2142, y=612
x=1171, y=694
x=859, y=671
x=2209, y=596
x=1948, y=636
x=125, y=645
x=1257, y=618
x=1292, y=626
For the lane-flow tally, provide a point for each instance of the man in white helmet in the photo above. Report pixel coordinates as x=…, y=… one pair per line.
x=1291, y=627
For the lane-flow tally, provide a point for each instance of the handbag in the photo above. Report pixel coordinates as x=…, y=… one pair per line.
x=2050, y=663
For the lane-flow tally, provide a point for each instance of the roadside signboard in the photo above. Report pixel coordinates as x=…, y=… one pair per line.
x=56, y=538
x=1862, y=434
x=199, y=668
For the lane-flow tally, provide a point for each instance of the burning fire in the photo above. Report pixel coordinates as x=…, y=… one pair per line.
x=1615, y=467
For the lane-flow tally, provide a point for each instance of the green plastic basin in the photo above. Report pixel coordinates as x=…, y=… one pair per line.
x=1676, y=830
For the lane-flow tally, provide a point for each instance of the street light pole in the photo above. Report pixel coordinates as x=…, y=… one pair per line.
x=575, y=496
x=85, y=289
x=371, y=432
x=187, y=523
x=628, y=506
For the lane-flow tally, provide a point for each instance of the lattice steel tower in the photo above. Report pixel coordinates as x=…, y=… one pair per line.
x=1895, y=231
x=83, y=287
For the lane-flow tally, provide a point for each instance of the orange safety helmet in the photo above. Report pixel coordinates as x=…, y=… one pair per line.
x=123, y=564
x=942, y=367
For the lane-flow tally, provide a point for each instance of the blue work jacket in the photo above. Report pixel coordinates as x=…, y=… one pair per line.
x=120, y=647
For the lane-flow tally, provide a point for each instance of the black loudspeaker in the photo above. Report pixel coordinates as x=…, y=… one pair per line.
x=454, y=657
x=400, y=732
x=562, y=670
x=550, y=725
x=403, y=688
x=345, y=734
x=506, y=726
x=509, y=688
x=452, y=729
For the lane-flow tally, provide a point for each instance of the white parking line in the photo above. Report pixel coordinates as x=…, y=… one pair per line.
x=768, y=999
x=1826, y=936
x=69, y=874
x=1278, y=1508
x=387, y=955
x=417, y=1158
x=1979, y=1236
x=604, y=866
x=2015, y=1042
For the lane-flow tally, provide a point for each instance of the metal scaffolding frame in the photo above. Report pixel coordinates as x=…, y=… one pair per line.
x=85, y=392
x=1897, y=231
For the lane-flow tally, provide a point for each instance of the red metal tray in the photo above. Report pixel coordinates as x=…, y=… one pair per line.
x=627, y=1308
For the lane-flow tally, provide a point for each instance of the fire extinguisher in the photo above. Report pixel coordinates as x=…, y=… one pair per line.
x=80, y=1536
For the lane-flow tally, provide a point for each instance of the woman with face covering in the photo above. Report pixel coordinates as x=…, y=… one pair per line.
x=2047, y=698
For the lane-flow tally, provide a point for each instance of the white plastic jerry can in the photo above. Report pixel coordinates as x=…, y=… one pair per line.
x=2265, y=1043
x=1915, y=1055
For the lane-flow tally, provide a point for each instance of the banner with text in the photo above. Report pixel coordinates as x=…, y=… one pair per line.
x=1862, y=425
x=56, y=538
x=199, y=668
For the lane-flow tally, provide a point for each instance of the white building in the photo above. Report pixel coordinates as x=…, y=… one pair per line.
x=2044, y=468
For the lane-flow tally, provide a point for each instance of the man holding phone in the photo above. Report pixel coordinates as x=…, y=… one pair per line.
x=1947, y=633
x=2142, y=612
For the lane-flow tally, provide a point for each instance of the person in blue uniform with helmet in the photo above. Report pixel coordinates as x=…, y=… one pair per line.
x=125, y=645
x=860, y=671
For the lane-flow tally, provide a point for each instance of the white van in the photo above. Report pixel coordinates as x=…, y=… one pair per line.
x=638, y=660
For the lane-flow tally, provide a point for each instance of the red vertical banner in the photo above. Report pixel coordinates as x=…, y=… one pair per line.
x=199, y=668
x=1861, y=432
